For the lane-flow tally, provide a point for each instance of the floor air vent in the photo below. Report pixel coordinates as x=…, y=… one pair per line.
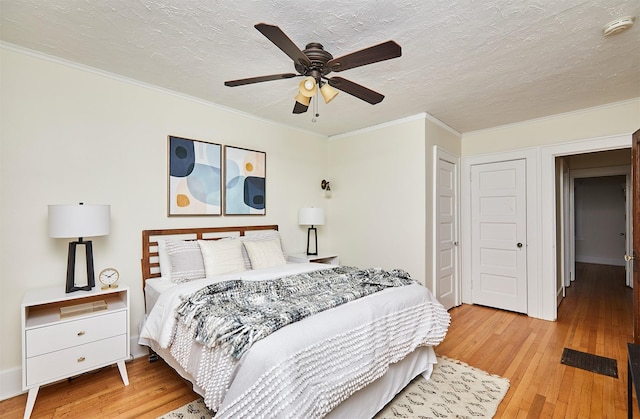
x=590, y=362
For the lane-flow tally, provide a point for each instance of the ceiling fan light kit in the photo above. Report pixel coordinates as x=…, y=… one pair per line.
x=314, y=64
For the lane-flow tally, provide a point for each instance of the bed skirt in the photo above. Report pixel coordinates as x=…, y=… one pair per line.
x=366, y=402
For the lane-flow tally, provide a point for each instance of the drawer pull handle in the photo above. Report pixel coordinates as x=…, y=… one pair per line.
x=81, y=359
x=81, y=333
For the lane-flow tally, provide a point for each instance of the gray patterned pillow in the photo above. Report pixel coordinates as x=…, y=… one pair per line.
x=185, y=259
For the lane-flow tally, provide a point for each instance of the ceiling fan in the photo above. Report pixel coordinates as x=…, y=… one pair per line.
x=314, y=63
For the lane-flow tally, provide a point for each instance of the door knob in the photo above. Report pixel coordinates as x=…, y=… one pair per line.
x=629, y=258
x=519, y=245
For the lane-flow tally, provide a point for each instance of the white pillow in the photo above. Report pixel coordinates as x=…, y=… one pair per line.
x=222, y=256
x=262, y=236
x=264, y=254
x=185, y=259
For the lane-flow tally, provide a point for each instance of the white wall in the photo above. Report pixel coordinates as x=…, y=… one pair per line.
x=376, y=214
x=602, y=121
x=69, y=134
x=600, y=221
x=381, y=179
x=610, y=158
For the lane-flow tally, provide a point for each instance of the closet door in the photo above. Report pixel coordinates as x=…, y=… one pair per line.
x=499, y=230
x=446, y=253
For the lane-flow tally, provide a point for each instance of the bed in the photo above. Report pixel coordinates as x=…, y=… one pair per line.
x=345, y=361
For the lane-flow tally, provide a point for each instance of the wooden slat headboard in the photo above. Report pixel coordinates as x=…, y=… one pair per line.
x=150, y=259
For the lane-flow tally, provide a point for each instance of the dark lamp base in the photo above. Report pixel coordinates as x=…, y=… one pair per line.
x=315, y=236
x=71, y=267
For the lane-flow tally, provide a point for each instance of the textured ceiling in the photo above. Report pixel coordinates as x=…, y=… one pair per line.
x=471, y=64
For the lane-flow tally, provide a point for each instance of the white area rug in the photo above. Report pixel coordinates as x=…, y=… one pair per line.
x=455, y=390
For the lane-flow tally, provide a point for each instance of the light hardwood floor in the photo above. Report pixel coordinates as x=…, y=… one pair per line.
x=595, y=317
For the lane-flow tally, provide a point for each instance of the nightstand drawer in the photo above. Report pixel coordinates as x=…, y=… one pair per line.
x=61, y=364
x=55, y=337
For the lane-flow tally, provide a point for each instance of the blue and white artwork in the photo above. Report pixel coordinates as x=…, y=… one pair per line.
x=245, y=181
x=195, y=177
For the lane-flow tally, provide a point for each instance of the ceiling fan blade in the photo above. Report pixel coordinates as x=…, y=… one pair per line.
x=356, y=90
x=384, y=51
x=242, y=82
x=282, y=41
x=299, y=108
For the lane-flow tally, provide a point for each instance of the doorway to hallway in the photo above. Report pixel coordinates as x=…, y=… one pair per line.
x=593, y=210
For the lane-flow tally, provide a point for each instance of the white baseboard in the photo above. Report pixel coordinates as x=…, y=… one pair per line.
x=601, y=261
x=559, y=296
x=11, y=379
x=10, y=383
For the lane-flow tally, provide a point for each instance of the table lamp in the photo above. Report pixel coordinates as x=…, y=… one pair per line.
x=67, y=221
x=312, y=217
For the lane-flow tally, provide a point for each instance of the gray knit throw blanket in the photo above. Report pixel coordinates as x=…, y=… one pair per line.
x=235, y=314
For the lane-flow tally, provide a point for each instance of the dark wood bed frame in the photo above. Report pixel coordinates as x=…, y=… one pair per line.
x=150, y=258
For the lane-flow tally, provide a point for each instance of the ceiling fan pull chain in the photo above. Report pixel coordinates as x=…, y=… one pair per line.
x=315, y=108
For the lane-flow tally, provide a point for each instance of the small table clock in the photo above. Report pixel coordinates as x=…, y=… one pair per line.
x=109, y=277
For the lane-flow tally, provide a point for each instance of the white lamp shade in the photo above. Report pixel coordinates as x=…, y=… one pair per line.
x=67, y=221
x=311, y=216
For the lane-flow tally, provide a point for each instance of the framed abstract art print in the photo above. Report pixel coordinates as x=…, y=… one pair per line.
x=245, y=175
x=195, y=177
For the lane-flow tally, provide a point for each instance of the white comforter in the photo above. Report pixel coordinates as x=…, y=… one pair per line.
x=309, y=367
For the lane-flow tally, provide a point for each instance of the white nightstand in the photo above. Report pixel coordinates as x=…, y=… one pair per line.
x=330, y=258
x=55, y=347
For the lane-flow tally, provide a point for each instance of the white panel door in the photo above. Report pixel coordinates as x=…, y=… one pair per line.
x=499, y=249
x=446, y=232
